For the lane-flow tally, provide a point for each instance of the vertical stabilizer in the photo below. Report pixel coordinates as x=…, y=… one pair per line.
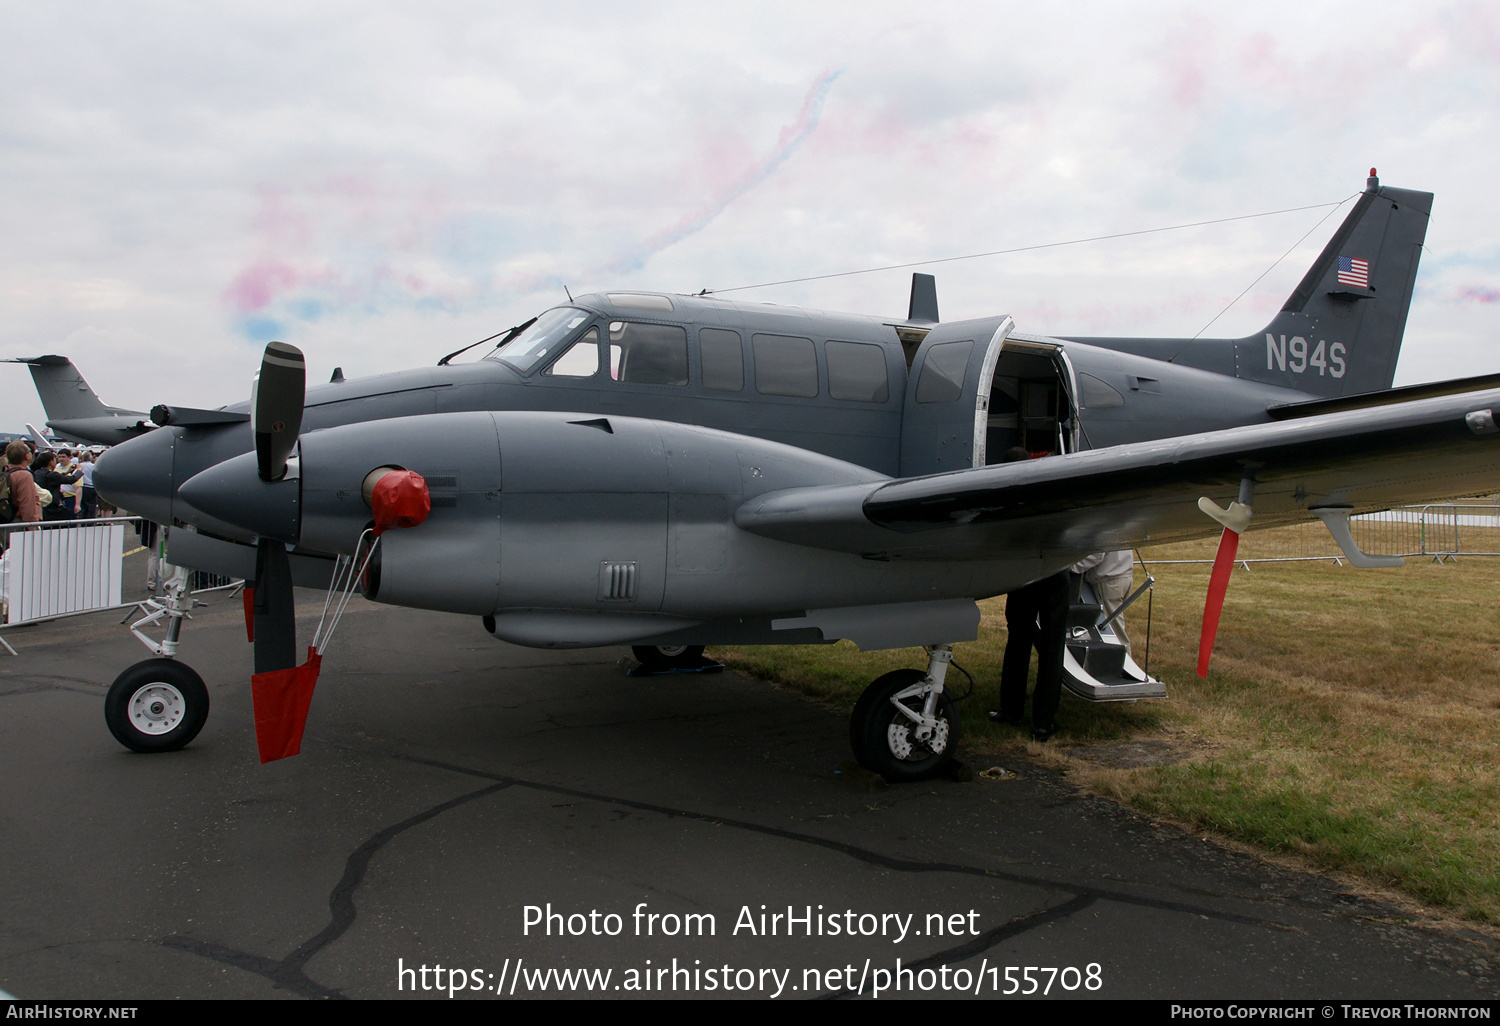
x=1340, y=331
x=64, y=393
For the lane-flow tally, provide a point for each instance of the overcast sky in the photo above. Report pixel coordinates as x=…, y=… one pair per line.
x=382, y=183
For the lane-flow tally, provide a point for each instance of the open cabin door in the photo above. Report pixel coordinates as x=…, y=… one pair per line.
x=974, y=392
x=1027, y=400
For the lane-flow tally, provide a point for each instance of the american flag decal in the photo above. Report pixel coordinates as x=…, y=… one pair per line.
x=1354, y=272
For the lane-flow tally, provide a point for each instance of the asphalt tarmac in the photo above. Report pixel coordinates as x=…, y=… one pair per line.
x=452, y=787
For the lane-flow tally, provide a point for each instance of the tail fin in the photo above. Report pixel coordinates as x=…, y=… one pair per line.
x=64, y=393
x=42, y=441
x=1340, y=332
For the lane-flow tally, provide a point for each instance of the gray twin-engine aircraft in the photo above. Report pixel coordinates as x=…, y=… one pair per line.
x=670, y=471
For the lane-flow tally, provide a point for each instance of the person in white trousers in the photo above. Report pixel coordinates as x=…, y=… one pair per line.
x=1110, y=574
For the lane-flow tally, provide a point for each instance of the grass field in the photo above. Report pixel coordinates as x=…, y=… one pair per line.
x=1351, y=717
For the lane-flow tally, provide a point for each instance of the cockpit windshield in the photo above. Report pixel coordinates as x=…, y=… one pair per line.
x=542, y=340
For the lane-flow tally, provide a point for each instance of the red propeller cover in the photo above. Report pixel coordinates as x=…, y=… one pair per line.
x=400, y=499
x=282, y=698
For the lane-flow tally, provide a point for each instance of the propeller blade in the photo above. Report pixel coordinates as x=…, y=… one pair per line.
x=1218, y=586
x=275, y=620
x=276, y=400
x=282, y=690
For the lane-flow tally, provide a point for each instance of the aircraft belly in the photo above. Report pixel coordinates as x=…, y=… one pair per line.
x=765, y=577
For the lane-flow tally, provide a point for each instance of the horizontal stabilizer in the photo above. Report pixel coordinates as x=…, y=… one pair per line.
x=1386, y=397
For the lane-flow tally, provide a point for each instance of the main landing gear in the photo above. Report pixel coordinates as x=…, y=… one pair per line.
x=159, y=705
x=905, y=726
x=661, y=658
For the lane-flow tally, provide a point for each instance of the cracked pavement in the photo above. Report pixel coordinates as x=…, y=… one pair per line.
x=447, y=781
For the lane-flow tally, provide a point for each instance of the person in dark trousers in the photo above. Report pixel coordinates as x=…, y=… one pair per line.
x=88, y=499
x=1036, y=616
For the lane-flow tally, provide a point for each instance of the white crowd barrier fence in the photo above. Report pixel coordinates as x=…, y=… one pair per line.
x=63, y=568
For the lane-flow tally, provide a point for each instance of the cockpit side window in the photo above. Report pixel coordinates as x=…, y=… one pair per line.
x=648, y=354
x=542, y=340
x=579, y=360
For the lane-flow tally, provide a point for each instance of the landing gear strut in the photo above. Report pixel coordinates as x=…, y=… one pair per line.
x=905, y=726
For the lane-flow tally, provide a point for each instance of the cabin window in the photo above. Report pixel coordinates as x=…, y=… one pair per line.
x=785, y=365
x=648, y=354
x=579, y=360
x=942, y=379
x=1097, y=394
x=856, y=370
x=723, y=360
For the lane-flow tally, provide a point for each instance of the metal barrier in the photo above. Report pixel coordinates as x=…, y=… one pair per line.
x=1441, y=531
x=62, y=568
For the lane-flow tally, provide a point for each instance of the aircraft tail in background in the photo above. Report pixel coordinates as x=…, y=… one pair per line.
x=74, y=412
x=42, y=441
x=64, y=393
x=1340, y=331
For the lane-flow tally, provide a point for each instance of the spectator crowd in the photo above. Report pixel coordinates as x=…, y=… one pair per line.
x=50, y=484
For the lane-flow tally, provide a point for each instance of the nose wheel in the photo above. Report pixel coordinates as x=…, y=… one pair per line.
x=157, y=705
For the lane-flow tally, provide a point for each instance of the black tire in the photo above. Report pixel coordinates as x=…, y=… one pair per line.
x=667, y=657
x=157, y=705
x=871, y=728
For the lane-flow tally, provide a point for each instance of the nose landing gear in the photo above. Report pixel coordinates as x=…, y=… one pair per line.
x=159, y=705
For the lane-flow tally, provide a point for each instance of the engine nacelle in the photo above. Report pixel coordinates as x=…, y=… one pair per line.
x=534, y=514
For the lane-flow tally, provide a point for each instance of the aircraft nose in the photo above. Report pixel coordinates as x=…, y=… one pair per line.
x=136, y=476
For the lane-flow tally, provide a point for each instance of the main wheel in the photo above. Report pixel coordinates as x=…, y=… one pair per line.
x=157, y=705
x=884, y=740
x=667, y=657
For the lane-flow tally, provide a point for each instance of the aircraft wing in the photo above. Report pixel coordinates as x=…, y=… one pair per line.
x=1129, y=495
